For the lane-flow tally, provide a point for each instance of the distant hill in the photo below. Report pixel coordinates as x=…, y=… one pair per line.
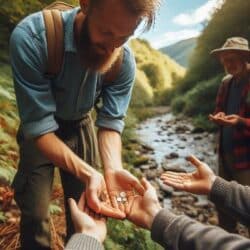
x=181, y=51
x=156, y=72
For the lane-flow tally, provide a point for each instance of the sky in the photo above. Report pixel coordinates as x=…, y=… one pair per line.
x=179, y=20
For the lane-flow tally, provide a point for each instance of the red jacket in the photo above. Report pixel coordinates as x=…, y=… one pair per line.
x=241, y=133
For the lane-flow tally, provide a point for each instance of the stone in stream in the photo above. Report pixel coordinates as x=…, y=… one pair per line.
x=172, y=155
x=203, y=204
x=147, y=147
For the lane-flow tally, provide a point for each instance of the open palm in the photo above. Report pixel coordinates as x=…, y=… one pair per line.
x=122, y=188
x=197, y=182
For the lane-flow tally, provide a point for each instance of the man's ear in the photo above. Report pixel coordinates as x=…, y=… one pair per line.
x=84, y=4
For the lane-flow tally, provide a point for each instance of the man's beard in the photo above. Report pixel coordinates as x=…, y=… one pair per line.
x=89, y=55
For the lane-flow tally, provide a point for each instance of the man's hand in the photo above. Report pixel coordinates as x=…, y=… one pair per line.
x=198, y=182
x=95, y=190
x=226, y=120
x=122, y=188
x=87, y=222
x=145, y=207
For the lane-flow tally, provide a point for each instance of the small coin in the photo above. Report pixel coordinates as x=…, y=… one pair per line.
x=119, y=199
x=123, y=194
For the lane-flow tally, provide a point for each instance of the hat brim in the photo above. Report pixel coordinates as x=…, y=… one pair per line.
x=217, y=52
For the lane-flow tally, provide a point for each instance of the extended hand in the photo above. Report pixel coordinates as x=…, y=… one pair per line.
x=144, y=208
x=87, y=222
x=95, y=190
x=226, y=120
x=198, y=182
x=122, y=188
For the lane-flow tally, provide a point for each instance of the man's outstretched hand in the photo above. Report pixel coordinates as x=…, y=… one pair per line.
x=197, y=182
x=122, y=188
x=98, y=199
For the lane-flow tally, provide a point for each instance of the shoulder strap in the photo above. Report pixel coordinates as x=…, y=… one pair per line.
x=55, y=43
x=55, y=35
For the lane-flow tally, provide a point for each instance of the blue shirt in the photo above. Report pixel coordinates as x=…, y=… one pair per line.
x=73, y=92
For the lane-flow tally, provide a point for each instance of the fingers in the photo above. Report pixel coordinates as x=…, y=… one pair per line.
x=93, y=200
x=73, y=206
x=173, y=183
x=81, y=202
x=137, y=185
x=195, y=161
x=146, y=184
x=111, y=212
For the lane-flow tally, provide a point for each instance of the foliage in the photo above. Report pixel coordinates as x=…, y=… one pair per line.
x=160, y=69
x=132, y=238
x=54, y=208
x=142, y=93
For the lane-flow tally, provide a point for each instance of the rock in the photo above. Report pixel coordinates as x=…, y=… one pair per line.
x=147, y=147
x=173, y=167
x=133, y=140
x=201, y=218
x=150, y=174
x=188, y=199
x=181, y=129
x=172, y=155
x=179, y=193
x=183, y=138
x=141, y=161
x=213, y=220
x=203, y=204
x=170, y=133
x=144, y=167
x=197, y=130
x=198, y=137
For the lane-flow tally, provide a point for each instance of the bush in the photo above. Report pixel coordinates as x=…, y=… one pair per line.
x=142, y=92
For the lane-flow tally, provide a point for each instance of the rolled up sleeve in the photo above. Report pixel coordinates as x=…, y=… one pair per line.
x=35, y=101
x=116, y=96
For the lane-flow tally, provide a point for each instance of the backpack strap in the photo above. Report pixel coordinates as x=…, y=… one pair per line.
x=55, y=42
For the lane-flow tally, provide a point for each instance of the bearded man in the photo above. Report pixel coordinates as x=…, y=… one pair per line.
x=56, y=128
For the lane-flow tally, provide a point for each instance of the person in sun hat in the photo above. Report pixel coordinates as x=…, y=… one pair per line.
x=232, y=114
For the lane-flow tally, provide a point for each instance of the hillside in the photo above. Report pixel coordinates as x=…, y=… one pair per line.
x=181, y=51
x=156, y=72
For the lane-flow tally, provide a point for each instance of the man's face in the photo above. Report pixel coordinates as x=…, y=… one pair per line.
x=104, y=31
x=233, y=63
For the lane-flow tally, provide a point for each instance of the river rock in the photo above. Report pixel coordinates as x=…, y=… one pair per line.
x=172, y=155
x=144, y=167
x=203, y=204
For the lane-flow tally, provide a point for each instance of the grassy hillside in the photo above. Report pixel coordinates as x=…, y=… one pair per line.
x=156, y=73
x=181, y=51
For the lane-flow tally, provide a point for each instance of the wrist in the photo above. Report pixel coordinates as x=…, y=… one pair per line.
x=151, y=215
x=210, y=183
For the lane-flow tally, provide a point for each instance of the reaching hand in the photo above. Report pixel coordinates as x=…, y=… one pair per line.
x=95, y=190
x=198, y=182
x=122, y=188
x=86, y=221
x=226, y=120
x=145, y=207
